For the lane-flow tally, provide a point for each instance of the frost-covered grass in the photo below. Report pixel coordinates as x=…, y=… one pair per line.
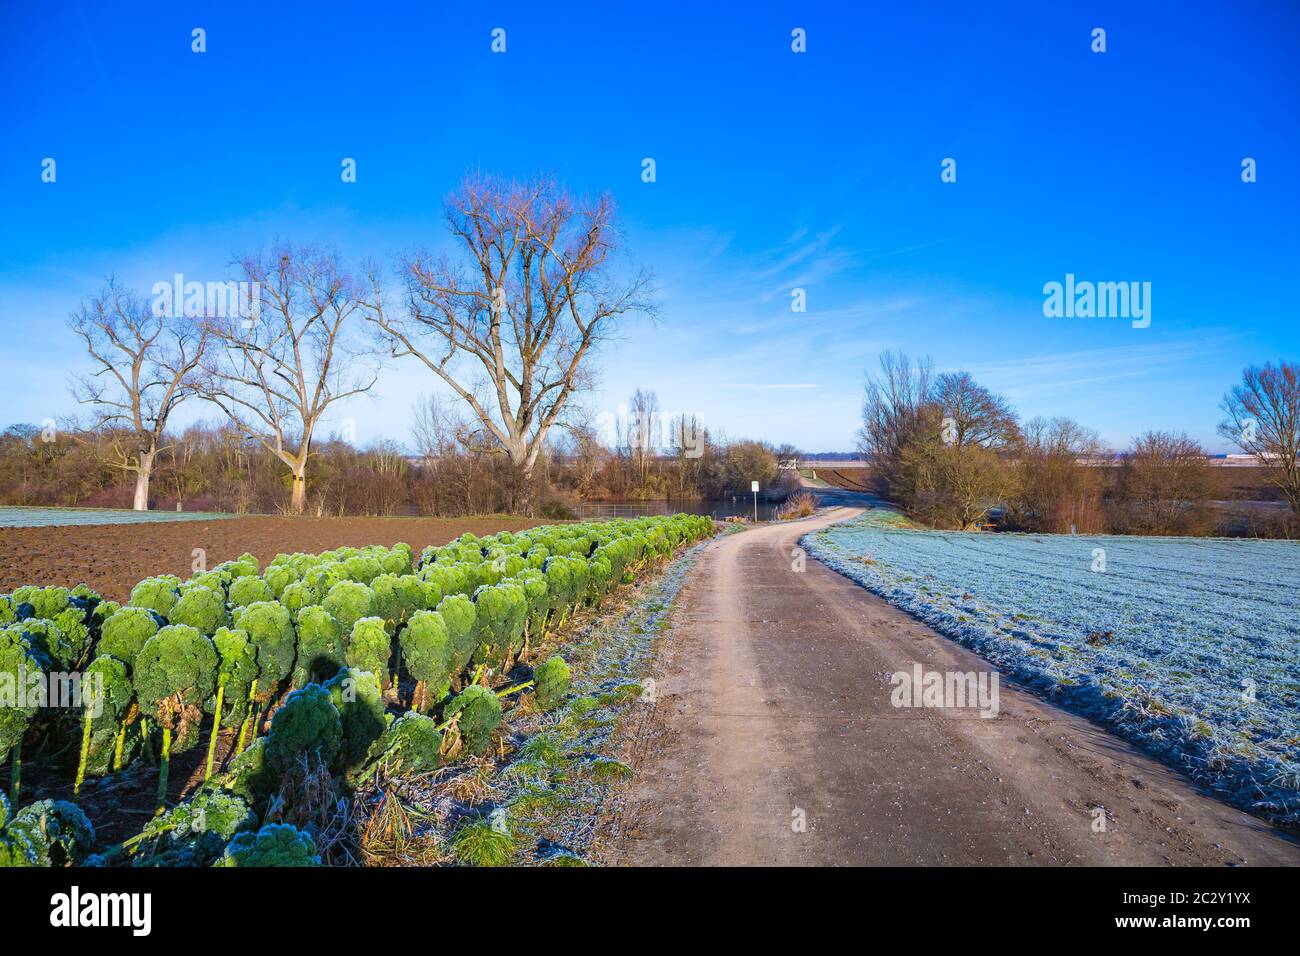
x=15, y=516
x=1188, y=646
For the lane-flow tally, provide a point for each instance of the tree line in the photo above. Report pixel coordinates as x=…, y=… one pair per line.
x=507, y=319
x=455, y=470
x=955, y=454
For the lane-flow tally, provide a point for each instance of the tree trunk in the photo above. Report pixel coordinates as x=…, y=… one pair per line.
x=298, y=503
x=143, y=472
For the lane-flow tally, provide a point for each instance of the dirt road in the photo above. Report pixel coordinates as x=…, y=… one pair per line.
x=773, y=707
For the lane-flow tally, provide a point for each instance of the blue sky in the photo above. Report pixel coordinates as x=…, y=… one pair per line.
x=775, y=170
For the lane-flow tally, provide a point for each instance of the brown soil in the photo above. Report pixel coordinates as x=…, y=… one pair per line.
x=113, y=558
x=852, y=479
x=773, y=741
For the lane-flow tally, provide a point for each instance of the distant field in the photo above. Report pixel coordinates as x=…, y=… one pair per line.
x=1195, y=642
x=112, y=558
x=851, y=479
x=1242, y=482
x=16, y=516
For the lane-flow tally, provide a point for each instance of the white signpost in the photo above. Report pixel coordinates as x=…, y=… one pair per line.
x=753, y=486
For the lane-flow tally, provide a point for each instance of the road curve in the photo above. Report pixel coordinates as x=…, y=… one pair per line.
x=773, y=709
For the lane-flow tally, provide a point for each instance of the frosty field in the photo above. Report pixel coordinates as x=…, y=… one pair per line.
x=18, y=516
x=1188, y=646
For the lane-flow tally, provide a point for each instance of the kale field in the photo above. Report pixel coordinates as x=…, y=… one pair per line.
x=282, y=691
x=1187, y=646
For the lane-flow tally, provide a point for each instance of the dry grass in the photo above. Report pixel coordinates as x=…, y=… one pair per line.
x=801, y=504
x=396, y=834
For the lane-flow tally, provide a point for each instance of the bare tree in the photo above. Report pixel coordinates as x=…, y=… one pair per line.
x=146, y=365
x=1264, y=421
x=894, y=414
x=1059, y=463
x=1163, y=485
x=434, y=428
x=686, y=438
x=978, y=416
x=961, y=485
x=644, y=431
x=520, y=308
x=276, y=374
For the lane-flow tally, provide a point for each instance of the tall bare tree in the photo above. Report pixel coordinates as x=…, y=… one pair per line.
x=517, y=309
x=277, y=373
x=896, y=411
x=687, y=439
x=644, y=431
x=1263, y=419
x=146, y=365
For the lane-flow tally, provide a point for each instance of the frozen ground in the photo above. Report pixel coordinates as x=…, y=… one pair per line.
x=1189, y=646
x=14, y=516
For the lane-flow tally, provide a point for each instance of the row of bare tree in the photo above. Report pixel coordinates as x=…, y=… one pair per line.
x=507, y=321
x=456, y=470
x=953, y=453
